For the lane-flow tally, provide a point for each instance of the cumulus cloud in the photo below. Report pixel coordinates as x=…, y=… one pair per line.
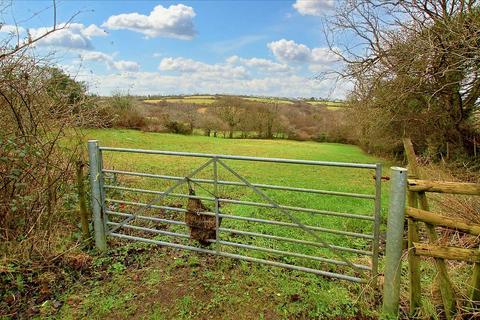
x=259, y=64
x=110, y=62
x=93, y=31
x=75, y=35
x=313, y=7
x=126, y=65
x=189, y=66
x=144, y=83
x=236, y=75
x=290, y=51
x=176, y=21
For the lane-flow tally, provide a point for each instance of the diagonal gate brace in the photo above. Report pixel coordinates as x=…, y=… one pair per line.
x=161, y=197
x=291, y=217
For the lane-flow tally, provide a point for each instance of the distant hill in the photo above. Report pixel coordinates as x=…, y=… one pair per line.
x=208, y=99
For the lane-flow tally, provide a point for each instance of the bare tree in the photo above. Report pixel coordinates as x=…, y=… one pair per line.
x=190, y=115
x=229, y=110
x=415, y=65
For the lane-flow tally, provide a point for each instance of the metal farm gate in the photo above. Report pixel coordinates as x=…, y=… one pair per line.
x=155, y=220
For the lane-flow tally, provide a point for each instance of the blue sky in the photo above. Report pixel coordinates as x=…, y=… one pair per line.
x=271, y=48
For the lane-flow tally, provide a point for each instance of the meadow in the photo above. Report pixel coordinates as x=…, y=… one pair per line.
x=218, y=287
x=187, y=99
x=331, y=105
x=278, y=100
x=207, y=99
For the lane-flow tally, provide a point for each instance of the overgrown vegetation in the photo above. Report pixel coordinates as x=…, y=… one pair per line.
x=418, y=77
x=40, y=108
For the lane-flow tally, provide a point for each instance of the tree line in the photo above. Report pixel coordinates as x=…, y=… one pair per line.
x=231, y=117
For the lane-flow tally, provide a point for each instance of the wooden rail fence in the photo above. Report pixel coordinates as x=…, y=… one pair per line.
x=417, y=211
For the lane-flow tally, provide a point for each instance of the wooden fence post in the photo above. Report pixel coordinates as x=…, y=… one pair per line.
x=82, y=201
x=475, y=284
x=415, y=290
x=446, y=288
x=413, y=261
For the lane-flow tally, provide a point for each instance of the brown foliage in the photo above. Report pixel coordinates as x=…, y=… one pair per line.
x=132, y=119
x=40, y=107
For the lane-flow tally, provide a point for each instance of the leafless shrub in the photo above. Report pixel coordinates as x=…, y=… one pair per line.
x=40, y=110
x=460, y=206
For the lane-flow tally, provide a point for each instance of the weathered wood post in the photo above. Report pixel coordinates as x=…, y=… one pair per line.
x=475, y=287
x=82, y=201
x=394, y=245
x=96, y=195
x=446, y=287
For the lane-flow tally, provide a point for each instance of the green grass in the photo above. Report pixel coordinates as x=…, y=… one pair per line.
x=192, y=100
x=210, y=99
x=331, y=105
x=320, y=297
x=326, y=178
x=207, y=99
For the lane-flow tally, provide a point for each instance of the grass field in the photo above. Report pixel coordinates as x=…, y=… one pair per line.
x=192, y=286
x=189, y=99
x=210, y=99
x=331, y=105
x=278, y=100
x=206, y=99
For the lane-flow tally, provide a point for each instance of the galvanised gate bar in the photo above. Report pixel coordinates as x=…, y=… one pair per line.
x=155, y=221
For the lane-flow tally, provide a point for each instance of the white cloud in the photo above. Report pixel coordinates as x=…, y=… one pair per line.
x=205, y=70
x=120, y=65
x=313, y=7
x=93, y=31
x=74, y=35
x=236, y=75
x=288, y=51
x=323, y=56
x=176, y=21
x=259, y=64
x=125, y=65
x=144, y=83
x=8, y=28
